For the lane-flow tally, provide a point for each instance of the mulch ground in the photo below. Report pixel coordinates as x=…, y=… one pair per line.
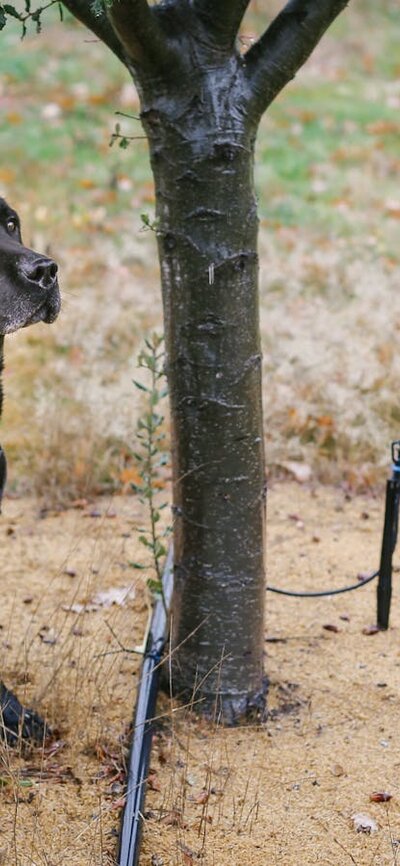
x=290, y=791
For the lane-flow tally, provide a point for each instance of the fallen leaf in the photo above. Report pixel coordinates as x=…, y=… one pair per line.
x=79, y=608
x=371, y=629
x=118, y=804
x=87, y=183
x=173, y=819
x=301, y=472
x=364, y=823
x=201, y=798
x=14, y=118
x=48, y=635
x=118, y=595
x=7, y=175
x=130, y=475
x=380, y=797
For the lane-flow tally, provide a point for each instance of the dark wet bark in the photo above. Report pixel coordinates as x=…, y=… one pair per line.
x=285, y=46
x=207, y=238
x=200, y=105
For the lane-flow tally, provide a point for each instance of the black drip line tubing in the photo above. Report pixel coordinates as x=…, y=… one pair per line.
x=139, y=756
x=389, y=540
x=325, y=592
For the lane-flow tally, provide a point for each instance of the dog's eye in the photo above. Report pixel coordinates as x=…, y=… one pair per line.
x=11, y=225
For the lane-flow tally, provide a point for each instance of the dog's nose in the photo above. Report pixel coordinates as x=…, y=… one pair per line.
x=42, y=271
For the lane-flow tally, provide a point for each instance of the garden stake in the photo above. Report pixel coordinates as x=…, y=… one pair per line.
x=389, y=539
x=3, y=473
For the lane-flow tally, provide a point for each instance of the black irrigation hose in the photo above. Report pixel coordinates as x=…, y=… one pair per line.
x=139, y=756
x=324, y=592
x=384, y=572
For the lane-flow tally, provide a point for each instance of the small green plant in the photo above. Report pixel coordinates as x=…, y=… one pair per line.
x=122, y=139
x=151, y=457
x=148, y=223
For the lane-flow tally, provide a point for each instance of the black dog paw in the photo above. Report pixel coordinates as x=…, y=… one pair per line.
x=18, y=721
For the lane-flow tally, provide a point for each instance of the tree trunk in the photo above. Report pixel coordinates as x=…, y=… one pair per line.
x=202, y=152
x=201, y=102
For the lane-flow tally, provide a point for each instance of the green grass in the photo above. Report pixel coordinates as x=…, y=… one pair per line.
x=327, y=165
x=311, y=123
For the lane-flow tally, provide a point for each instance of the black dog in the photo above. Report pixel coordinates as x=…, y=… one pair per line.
x=29, y=293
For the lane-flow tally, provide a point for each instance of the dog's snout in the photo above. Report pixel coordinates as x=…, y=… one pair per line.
x=42, y=271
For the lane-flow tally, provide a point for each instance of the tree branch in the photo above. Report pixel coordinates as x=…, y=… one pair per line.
x=138, y=26
x=285, y=46
x=98, y=24
x=222, y=17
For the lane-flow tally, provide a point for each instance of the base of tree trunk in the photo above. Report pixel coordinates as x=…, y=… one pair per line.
x=226, y=709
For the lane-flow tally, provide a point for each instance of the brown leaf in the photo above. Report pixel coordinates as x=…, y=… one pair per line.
x=380, y=797
x=130, y=475
x=118, y=804
x=371, y=629
x=173, y=818
x=201, y=798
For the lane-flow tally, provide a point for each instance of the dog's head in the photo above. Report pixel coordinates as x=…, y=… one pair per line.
x=29, y=290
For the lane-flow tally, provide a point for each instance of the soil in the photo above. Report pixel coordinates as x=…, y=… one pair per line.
x=286, y=792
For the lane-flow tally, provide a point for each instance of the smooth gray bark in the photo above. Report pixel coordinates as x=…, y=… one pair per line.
x=201, y=102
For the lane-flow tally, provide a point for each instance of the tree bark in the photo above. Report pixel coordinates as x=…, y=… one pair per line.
x=202, y=151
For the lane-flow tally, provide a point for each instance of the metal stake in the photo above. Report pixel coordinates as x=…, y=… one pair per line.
x=384, y=592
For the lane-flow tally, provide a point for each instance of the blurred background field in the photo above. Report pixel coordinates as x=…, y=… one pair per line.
x=327, y=168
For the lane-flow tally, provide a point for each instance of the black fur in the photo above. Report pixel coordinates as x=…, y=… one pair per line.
x=29, y=293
